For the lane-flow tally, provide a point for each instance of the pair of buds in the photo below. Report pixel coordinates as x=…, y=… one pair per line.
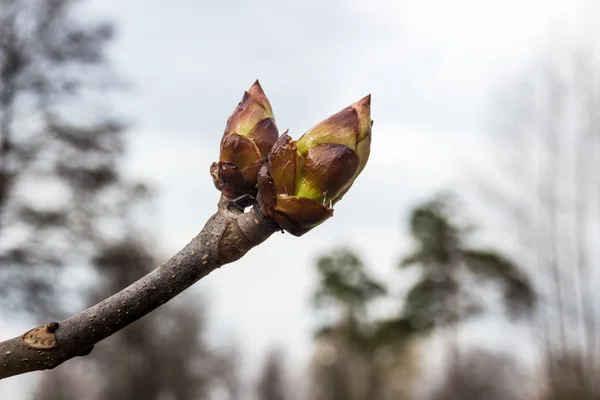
x=295, y=183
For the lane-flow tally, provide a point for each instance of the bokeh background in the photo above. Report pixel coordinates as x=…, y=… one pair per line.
x=462, y=264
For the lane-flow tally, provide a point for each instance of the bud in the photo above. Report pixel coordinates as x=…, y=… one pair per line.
x=249, y=135
x=302, y=180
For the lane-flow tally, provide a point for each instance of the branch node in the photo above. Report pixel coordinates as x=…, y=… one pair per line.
x=41, y=338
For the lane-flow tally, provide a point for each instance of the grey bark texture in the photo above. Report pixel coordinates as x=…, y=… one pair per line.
x=226, y=237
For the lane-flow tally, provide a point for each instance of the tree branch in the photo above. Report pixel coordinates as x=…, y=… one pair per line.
x=225, y=238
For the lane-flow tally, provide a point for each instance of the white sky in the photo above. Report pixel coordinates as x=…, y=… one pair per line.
x=432, y=66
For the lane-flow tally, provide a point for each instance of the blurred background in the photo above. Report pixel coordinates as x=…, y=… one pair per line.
x=462, y=266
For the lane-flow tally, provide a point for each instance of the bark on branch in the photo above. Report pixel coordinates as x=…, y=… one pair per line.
x=225, y=238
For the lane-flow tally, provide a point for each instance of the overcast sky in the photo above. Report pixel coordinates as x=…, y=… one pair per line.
x=433, y=68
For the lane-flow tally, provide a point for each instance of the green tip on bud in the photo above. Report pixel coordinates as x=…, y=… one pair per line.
x=249, y=135
x=303, y=179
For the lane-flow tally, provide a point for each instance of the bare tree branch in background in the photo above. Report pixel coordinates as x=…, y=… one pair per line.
x=549, y=154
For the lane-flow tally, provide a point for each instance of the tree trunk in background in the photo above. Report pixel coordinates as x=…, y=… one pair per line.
x=272, y=384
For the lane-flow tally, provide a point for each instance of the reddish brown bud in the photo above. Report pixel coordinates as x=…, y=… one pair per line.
x=302, y=180
x=249, y=135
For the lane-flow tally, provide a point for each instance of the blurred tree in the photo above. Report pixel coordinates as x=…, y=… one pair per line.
x=440, y=298
x=358, y=358
x=344, y=365
x=60, y=186
x=442, y=253
x=271, y=383
x=345, y=286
